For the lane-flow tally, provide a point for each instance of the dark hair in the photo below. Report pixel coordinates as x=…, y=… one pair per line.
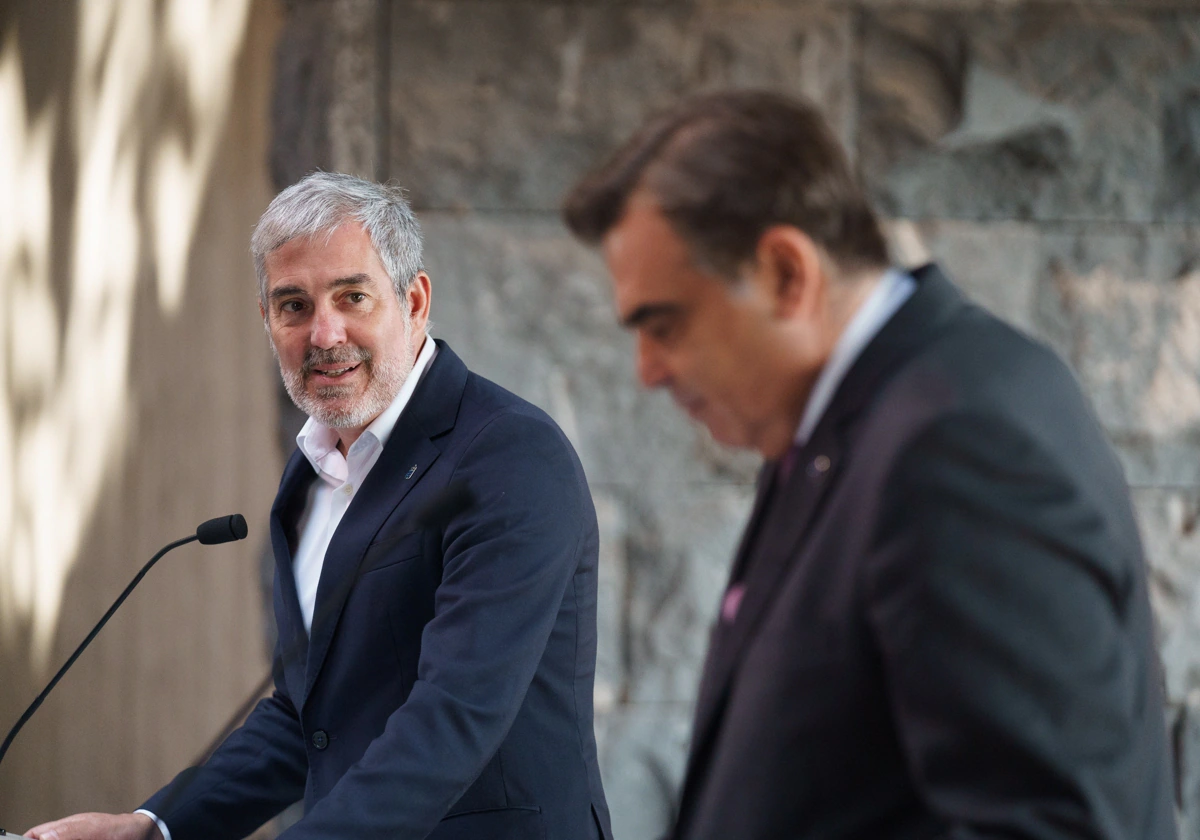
x=723, y=167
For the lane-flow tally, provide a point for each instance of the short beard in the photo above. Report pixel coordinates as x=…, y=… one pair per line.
x=385, y=378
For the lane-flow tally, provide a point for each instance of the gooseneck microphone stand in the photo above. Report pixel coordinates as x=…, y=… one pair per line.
x=214, y=531
x=439, y=509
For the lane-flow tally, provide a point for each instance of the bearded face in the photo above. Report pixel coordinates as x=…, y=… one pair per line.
x=342, y=336
x=348, y=386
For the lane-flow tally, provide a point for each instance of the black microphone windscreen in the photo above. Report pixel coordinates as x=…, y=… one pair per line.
x=223, y=529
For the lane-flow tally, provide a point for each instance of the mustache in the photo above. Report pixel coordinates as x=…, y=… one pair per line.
x=345, y=355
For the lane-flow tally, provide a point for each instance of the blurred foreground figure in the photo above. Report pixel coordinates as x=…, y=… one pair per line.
x=434, y=682
x=937, y=623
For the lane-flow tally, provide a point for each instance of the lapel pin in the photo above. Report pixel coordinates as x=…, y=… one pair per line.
x=410, y=472
x=819, y=466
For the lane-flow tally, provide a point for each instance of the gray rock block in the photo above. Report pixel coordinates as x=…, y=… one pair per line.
x=1123, y=307
x=529, y=307
x=643, y=751
x=996, y=264
x=1185, y=728
x=527, y=95
x=1169, y=520
x=1036, y=112
x=354, y=120
x=327, y=90
x=303, y=94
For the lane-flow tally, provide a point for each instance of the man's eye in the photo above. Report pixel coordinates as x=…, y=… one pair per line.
x=661, y=330
x=291, y=306
x=356, y=297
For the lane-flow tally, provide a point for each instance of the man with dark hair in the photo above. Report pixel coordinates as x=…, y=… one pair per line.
x=937, y=622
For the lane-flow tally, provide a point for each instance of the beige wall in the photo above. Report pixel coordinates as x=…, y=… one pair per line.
x=137, y=391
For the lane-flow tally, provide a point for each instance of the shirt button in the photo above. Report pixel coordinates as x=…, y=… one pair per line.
x=348, y=489
x=320, y=739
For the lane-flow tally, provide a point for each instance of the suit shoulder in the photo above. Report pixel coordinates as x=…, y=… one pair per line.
x=982, y=362
x=988, y=374
x=486, y=405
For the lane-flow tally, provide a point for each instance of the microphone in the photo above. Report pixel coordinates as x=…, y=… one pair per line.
x=214, y=531
x=223, y=529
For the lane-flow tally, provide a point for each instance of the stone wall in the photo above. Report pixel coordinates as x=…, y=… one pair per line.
x=1047, y=153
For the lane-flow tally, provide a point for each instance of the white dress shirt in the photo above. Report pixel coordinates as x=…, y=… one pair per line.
x=895, y=287
x=339, y=478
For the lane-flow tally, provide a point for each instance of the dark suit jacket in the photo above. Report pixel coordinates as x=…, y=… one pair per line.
x=945, y=630
x=446, y=690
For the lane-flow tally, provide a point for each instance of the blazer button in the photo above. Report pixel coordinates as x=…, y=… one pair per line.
x=320, y=739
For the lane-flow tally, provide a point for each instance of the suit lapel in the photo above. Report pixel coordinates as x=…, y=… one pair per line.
x=782, y=516
x=410, y=450
x=708, y=681
x=289, y=503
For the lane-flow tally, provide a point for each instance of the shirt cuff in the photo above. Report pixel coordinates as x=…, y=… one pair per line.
x=162, y=826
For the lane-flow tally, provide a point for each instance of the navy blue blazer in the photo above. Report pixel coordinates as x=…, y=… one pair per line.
x=446, y=688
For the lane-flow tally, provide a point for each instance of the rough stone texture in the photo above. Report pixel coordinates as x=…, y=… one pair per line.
x=327, y=89
x=529, y=94
x=303, y=84
x=1169, y=520
x=354, y=120
x=1048, y=153
x=1186, y=732
x=1041, y=113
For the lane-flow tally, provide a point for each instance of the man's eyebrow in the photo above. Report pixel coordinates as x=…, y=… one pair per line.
x=284, y=291
x=647, y=311
x=350, y=280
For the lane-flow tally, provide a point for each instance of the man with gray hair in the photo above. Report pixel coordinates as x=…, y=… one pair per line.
x=434, y=682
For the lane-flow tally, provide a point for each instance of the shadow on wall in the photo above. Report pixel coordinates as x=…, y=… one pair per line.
x=138, y=186
x=115, y=120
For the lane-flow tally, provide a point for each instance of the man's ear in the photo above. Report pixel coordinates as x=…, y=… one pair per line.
x=418, y=298
x=790, y=263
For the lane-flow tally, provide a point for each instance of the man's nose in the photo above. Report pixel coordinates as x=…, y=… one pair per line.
x=328, y=328
x=652, y=370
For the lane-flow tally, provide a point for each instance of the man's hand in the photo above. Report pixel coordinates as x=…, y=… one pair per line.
x=98, y=827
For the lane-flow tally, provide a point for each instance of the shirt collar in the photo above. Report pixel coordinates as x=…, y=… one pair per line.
x=893, y=289
x=318, y=442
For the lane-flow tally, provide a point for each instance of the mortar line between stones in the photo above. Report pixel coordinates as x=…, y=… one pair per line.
x=1145, y=8
x=1120, y=225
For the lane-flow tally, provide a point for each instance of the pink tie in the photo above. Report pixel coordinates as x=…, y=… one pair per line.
x=734, y=594
x=731, y=602
x=788, y=463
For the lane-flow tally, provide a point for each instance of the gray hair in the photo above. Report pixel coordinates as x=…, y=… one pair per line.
x=319, y=203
